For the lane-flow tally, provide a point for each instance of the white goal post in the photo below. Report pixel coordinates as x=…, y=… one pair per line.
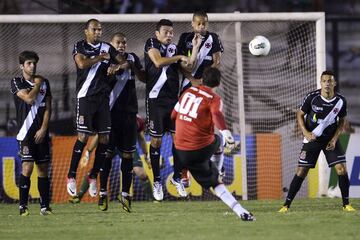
x=259, y=93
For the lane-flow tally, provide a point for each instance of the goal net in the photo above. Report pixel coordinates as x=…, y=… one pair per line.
x=260, y=94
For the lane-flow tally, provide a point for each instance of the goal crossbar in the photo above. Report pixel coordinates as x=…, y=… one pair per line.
x=224, y=17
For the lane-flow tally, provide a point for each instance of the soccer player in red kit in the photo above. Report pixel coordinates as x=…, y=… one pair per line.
x=196, y=113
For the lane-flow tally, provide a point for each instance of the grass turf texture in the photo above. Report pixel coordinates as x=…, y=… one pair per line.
x=307, y=219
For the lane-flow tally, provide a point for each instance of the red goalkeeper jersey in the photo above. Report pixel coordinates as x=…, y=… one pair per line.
x=195, y=115
x=140, y=123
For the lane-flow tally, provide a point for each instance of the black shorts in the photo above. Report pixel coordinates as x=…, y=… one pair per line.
x=93, y=114
x=123, y=133
x=31, y=152
x=159, y=117
x=198, y=163
x=310, y=153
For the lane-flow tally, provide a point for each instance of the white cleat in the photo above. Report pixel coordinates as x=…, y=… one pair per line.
x=71, y=186
x=179, y=187
x=92, y=187
x=158, y=191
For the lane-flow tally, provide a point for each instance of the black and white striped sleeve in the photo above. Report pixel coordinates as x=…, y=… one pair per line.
x=15, y=85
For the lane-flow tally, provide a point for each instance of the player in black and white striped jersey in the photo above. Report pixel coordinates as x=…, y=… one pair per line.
x=321, y=118
x=209, y=55
x=95, y=60
x=162, y=64
x=124, y=107
x=32, y=98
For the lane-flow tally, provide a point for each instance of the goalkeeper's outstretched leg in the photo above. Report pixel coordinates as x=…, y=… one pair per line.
x=196, y=114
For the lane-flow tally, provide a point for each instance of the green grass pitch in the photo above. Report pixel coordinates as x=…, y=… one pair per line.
x=308, y=219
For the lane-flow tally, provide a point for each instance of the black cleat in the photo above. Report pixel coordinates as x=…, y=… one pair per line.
x=247, y=217
x=75, y=200
x=46, y=211
x=24, y=211
x=126, y=203
x=103, y=202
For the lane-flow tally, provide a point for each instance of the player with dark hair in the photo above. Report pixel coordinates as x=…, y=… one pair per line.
x=321, y=119
x=32, y=98
x=124, y=107
x=162, y=91
x=95, y=60
x=196, y=113
x=209, y=55
x=123, y=135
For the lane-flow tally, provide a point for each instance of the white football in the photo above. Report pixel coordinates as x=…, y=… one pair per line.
x=259, y=46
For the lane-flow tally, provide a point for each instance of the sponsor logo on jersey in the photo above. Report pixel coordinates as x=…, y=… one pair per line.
x=89, y=52
x=316, y=108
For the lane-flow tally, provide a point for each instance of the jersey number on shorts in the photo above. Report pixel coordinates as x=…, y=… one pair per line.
x=189, y=105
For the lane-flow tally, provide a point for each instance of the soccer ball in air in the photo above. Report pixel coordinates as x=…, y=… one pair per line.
x=259, y=46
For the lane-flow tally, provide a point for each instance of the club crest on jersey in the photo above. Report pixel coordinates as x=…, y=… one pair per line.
x=189, y=45
x=151, y=124
x=81, y=119
x=302, y=155
x=336, y=110
x=208, y=45
x=171, y=50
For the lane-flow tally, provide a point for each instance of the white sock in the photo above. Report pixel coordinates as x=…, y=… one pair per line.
x=224, y=194
x=103, y=193
x=125, y=194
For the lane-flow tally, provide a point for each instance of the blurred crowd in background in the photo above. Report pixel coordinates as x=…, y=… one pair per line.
x=176, y=6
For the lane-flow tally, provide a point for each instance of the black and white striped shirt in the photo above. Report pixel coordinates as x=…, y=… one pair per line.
x=210, y=44
x=123, y=96
x=29, y=117
x=93, y=80
x=317, y=108
x=163, y=82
